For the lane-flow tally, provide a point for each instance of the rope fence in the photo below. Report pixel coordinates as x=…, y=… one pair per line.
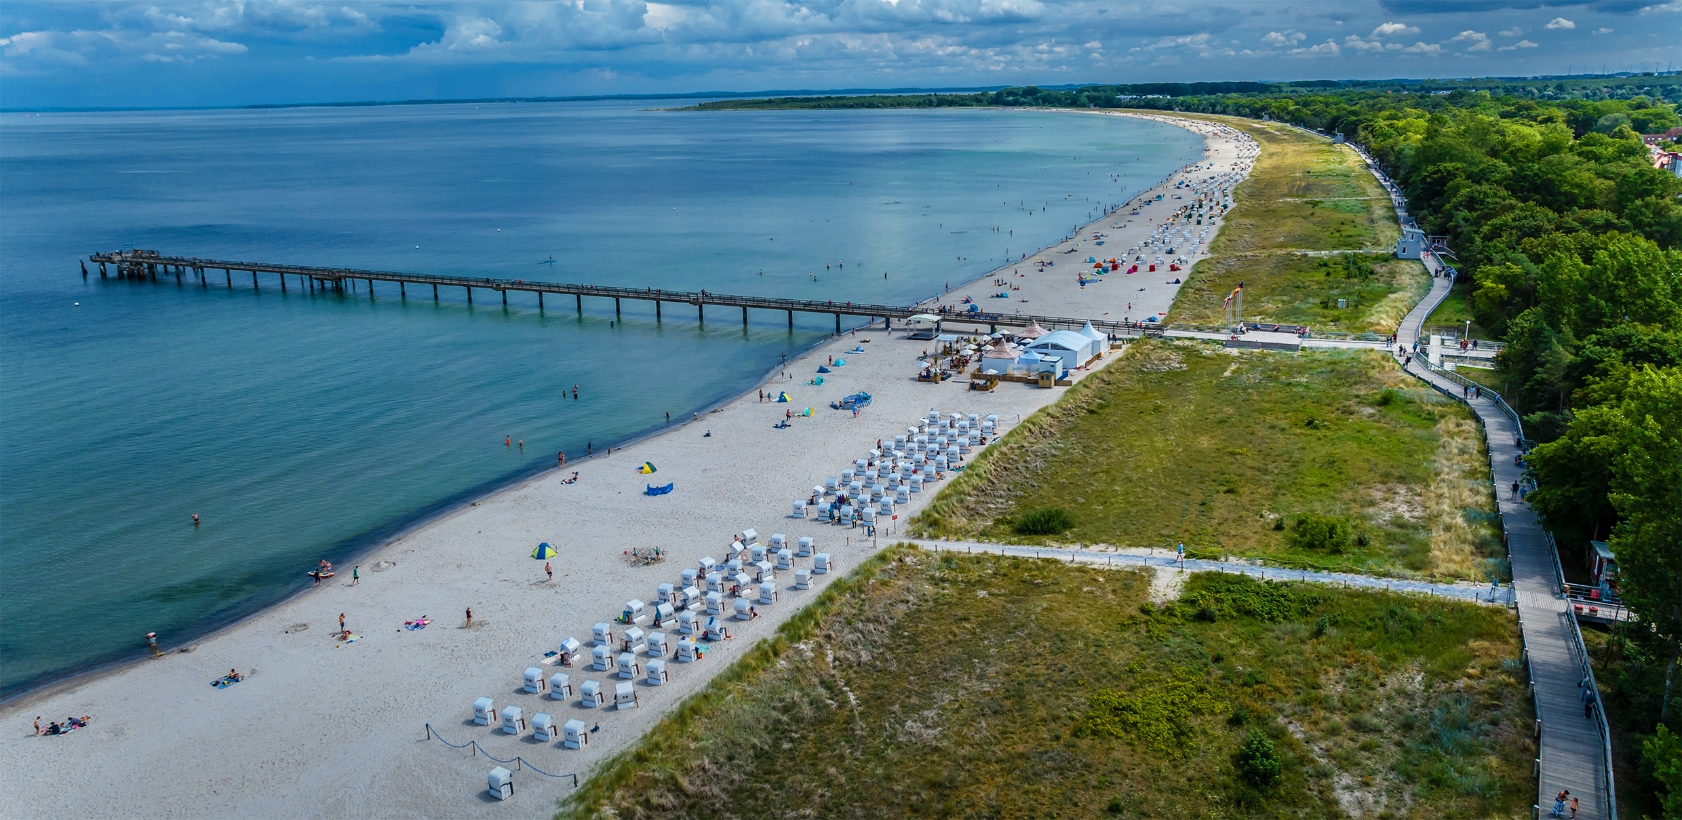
x=520, y=763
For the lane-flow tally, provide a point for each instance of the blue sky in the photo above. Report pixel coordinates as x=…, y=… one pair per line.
x=231, y=52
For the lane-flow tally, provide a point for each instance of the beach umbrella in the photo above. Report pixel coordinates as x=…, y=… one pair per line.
x=922, y=317
x=543, y=551
x=783, y=397
x=647, y=468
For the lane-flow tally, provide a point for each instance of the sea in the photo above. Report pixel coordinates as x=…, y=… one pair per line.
x=300, y=426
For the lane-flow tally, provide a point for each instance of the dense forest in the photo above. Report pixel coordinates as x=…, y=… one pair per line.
x=1571, y=241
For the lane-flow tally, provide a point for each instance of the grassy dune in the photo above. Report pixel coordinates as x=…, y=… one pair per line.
x=1187, y=442
x=1304, y=195
x=981, y=686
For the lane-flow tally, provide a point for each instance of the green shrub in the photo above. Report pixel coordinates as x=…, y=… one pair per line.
x=1257, y=762
x=1319, y=533
x=1045, y=521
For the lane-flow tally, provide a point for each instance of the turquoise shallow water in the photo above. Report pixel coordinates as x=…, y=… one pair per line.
x=302, y=427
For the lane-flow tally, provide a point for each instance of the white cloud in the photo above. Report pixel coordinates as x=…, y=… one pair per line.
x=1561, y=23
x=1392, y=29
x=1093, y=44
x=1167, y=59
x=1284, y=38
x=1515, y=31
x=1518, y=45
x=1423, y=48
x=1477, y=39
x=1326, y=49
x=35, y=50
x=1603, y=30
x=1354, y=41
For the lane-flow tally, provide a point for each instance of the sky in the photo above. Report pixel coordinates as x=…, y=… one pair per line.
x=116, y=53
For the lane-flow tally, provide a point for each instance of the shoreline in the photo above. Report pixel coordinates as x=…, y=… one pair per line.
x=364, y=688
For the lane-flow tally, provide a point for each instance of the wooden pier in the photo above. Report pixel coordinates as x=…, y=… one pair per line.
x=151, y=265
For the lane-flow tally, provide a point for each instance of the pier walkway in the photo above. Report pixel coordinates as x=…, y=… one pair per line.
x=150, y=265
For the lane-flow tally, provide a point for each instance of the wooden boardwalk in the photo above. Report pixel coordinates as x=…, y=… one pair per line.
x=1575, y=752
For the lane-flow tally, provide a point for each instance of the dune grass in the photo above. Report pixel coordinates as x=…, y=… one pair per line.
x=1188, y=442
x=1304, y=198
x=983, y=686
x=1299, y=289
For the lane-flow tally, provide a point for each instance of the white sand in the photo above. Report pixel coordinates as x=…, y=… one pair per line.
x=320, y=729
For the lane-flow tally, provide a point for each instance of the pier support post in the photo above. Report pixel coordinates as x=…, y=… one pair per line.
x=283, y=283
x=579, y=299
x=253, y=280
x=434, y=293
x=470, y=296
x=616, y=307
x=791, y=320
x=230, y=276
x=838, y=324
x=311, y=280
x=505, y=298
x=102, y=270
x=370, y=289
x=402, y=291
x=656, y=311
x=84, y=268
x=540, y=301
x=744, y=315
x=701, y=313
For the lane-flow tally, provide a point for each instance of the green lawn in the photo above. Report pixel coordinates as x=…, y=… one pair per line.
x=982, y=686
x=1455, y=311
x=1187, y=442
x=1299, y=289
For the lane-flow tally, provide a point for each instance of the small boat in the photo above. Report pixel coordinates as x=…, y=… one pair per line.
x=319, y=575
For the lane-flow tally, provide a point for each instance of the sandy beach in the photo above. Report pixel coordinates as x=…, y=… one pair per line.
x=324, y=728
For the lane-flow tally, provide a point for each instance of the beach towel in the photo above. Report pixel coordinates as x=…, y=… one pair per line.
x=418, y=623
x=653, y=490
x=857, y=349
x=351, y=639
x=224, y=682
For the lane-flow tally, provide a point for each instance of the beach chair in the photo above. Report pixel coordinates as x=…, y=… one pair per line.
x=624, y=696
x=635, y=612
x=806, y=546
x=715, y=582
x=715, y=602
x=664, y=615
x=560, y=686
x=512, y=723
x=601, y=658
x=687, y=622
x=569, y=651
x=743, y=609
x=916, y=484
x=713, y=630
x=763, y=571
x=802, y=579
x=484, y=711
x=820, y=563
x=628, y=666
x=602, y=634
x=756, y=554
x=657, y=673
x=688, y=598
x=633, y=641
x=543, y=727
x=749, y=538
x=732, y=567
x=778, y=541
x=799, y=509
x=785, y=559
x=500, y=783
x=590, y=694
x=686, y=651
x=534, y=680
x=706, y=567
x=768, y=592
x=902, y=494
x=658, y=645
x=689, y=577
x=666, y=594
x=575, y=734
x=740, y=581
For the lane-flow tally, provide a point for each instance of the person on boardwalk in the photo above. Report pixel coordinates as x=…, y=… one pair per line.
x=1559, y=802
x=152, y=644
x=549, y=570
x=1573, y=807
x=1588, y=701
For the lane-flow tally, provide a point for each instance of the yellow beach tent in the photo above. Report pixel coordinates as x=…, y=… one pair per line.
x=646, y=468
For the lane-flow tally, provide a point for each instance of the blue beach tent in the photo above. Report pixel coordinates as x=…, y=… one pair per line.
x=653, y=490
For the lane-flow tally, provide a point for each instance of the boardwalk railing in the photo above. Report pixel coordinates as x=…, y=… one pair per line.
x=1600, y=725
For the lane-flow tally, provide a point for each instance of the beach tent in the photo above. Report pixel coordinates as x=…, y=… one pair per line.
x=1032, y=331
x=823, y=369
x=806, y=412
x=543, y=551
x=647, y=468
x=783, y=397
x=1073, y=348
x=653, y=490
x=922, y=318
x=1100, y=342
x=818, y=380
x=840, y=362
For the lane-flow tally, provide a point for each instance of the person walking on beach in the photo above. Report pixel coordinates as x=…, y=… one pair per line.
x=356, y=575
x=470, y=617
x=341, y=622
x=549, y=570
x=152, y=644
x=561, y=457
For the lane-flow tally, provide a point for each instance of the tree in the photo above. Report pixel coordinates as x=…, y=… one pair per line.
x=1257, y=762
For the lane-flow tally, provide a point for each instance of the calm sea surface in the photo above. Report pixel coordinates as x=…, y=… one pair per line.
x=302, y=427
